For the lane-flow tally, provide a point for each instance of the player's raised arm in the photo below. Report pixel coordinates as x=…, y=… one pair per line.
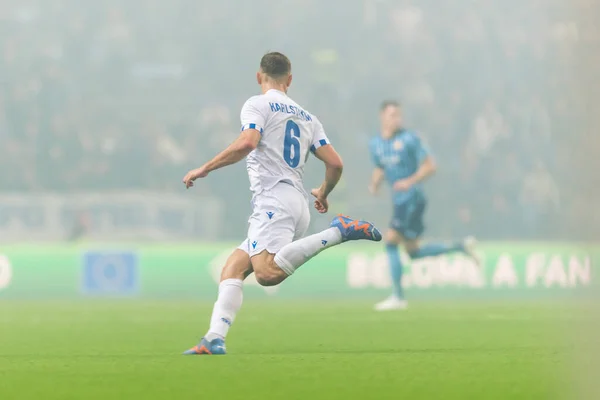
x=252, y=122
x=235, y=152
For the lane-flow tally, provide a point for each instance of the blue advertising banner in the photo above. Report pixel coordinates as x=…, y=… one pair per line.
x=110, y=273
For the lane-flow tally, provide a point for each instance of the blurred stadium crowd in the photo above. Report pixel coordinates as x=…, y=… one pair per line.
x=107, y=95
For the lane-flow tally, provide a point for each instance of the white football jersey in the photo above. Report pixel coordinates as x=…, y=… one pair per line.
x=288, y=132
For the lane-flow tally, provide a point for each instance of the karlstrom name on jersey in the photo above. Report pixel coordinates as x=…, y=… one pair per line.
x=287, y=109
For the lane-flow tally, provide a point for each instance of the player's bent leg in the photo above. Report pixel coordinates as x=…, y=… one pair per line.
x=392, y=237
x=416, y=250
x=272, y=269
x=412, y=246
x=408, y=221
x=342, y=229
x=266, y=270
x=237, y=266
x=229, y=302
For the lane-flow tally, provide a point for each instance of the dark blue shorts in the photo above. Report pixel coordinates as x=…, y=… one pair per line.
x=408, y=218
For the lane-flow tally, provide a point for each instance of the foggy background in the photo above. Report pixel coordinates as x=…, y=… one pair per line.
x=104, y=106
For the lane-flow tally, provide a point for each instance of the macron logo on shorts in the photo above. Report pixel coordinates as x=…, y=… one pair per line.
x=270, y=214
x=254, y=244
x=323, y=242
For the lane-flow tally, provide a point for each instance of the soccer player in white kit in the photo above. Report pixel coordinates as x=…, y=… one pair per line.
x=277, y=137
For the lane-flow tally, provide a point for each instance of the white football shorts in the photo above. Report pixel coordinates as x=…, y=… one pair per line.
x=280, y=216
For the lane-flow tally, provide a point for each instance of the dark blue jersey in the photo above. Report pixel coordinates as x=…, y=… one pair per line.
x=399, y=157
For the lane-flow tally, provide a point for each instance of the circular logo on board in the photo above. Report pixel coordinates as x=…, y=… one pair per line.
x=110, y=273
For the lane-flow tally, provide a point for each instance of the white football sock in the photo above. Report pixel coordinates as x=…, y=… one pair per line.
x=293, y=255
x=226, y=307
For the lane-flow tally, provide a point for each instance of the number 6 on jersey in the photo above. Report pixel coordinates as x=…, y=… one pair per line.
x=291, y=142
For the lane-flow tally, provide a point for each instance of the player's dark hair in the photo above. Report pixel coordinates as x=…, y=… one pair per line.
x=276, y=65
x=389, y=103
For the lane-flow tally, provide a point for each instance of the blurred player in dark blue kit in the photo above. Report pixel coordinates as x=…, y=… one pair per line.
x=404, y=162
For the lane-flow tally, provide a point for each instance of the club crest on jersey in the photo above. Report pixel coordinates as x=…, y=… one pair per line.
x=398, y=145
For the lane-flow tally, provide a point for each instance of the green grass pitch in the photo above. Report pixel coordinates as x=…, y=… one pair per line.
x=282, y=349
